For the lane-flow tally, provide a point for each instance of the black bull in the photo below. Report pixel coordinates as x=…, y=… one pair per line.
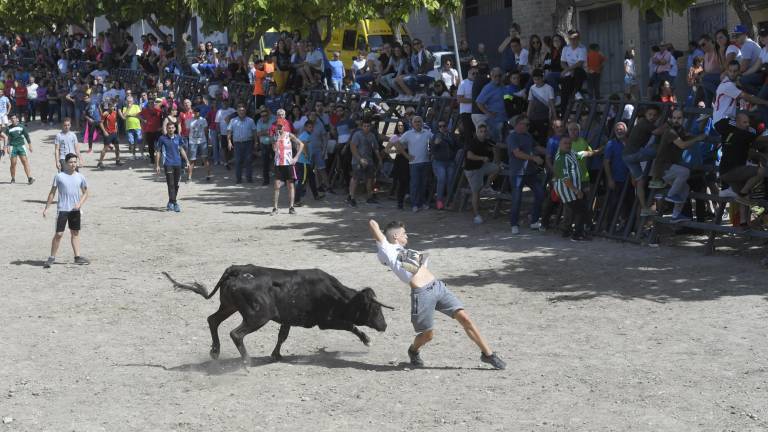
x=305, y=298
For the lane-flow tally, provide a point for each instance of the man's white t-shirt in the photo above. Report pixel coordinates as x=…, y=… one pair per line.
x=724, y=105
x=571, y=55
x=543, y=94
x=465, y=89
x=221, y=118
x=522, y=61
x=750, y=50
x=733, y=49
x=417, y=144
x=66, y=142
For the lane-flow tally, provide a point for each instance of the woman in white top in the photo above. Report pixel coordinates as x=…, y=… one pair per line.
x=448, y=74
x=630, y=75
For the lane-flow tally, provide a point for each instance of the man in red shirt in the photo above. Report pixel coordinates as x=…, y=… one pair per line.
x=109, y=130
x=151, y=118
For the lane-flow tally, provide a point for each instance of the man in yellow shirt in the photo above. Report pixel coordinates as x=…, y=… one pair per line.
x=130, y=114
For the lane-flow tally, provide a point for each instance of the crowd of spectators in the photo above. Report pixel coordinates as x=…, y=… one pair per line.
x=513, y=131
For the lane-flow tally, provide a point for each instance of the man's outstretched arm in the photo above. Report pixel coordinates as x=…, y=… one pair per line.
x=376, y=231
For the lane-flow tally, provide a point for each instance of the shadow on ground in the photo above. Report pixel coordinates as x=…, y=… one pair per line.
x=322, y=358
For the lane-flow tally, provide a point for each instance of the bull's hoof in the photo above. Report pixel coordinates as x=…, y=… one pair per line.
x=214, y=353
x=276, y=357
x=366, y=340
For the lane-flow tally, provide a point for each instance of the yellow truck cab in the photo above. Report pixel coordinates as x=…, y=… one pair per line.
x=367, y=34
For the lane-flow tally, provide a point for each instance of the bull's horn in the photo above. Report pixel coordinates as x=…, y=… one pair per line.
x=382, y=304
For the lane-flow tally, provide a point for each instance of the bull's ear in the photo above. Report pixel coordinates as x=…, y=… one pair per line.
x=368, y=292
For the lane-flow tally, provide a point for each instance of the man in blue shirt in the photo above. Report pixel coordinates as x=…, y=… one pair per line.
x=241, y=132
x=523, y=171
x=616, y=172
x=491, y=103
x=169, y=145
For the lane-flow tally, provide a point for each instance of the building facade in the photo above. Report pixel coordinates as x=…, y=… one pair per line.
x=613, y=24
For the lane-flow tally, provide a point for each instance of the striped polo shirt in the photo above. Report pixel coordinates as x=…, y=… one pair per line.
x=567, y=168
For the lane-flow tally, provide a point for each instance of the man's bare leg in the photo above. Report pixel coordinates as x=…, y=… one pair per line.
x=472, y=331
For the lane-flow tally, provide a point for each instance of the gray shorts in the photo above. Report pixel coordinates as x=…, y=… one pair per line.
x=426, y=300
x=476, y=178
x=198, y=150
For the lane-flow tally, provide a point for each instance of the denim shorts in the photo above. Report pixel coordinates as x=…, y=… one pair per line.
x=429, y=298
x=198, y=150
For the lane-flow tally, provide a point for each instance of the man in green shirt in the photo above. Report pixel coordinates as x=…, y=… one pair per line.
x=15, y=137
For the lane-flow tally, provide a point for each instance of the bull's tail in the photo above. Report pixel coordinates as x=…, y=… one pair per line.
x=194, y=286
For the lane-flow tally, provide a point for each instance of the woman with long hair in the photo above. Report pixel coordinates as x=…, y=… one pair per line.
x=283, y=65
x=401, y=177
x=713, y=69
x=552, y=62
x=630, y=74
x=536, y=53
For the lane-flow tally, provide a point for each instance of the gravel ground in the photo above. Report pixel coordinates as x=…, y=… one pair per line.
x=598, y=337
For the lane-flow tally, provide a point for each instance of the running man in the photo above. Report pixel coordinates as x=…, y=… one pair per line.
x=73, y=191
x=427, y=292
x=15, y=137
x=285, y=163
x=64, y=143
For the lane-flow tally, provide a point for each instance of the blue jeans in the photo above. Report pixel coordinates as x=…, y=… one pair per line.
x=244, y=157
x=419, y=172
x=444, y=172
x=632, y=161
x=517, y=182
x=336, y=84
x=213, y=137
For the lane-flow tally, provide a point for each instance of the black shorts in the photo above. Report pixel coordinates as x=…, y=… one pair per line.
x=286, y=173
x=71, y=218
x=110, y=139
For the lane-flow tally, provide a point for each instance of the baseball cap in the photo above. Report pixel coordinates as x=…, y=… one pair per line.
x=739, y=29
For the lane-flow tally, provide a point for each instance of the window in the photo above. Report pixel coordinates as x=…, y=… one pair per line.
x=471, y=8
x=348, y=42
x=361, y=45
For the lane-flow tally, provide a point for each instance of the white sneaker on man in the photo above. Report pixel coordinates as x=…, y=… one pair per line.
x=515, y=229
x=536, y=226
x=478, y=220
x=728, y=193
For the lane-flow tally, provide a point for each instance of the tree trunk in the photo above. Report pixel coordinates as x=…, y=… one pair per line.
x=328, y=31
x=563, y=17
x=183, y=18
x=155, y=28
x=745, y=17
x=314, y=32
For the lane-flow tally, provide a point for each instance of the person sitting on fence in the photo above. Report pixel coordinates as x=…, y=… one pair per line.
x=573, y=75
x=480, y=163
x=525, y=162
x=740, y=142
x=422, y=62
x=668, y=167
x=640, y=149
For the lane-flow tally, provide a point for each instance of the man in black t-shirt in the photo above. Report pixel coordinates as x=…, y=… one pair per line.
x=736, y=176
x=479, y=163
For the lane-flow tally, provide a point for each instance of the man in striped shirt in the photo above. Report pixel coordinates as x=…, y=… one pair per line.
x=568, y=187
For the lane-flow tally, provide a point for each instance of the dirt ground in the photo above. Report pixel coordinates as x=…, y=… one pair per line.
x=598, y=337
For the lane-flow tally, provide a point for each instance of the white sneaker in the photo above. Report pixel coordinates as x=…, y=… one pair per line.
x=425, y=207
x=728, y=193
x=578, y=96
x=536, y=226
x=515, y=229
x=478, y=220
x=415, y=209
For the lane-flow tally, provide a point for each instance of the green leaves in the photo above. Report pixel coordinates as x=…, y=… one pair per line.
x=663, y=7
